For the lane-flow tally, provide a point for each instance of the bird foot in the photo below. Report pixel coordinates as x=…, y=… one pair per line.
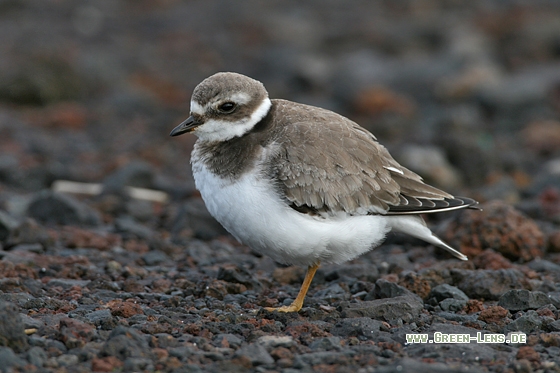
x=290, y=308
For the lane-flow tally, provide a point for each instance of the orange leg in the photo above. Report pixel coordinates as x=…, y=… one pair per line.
x=298, y=302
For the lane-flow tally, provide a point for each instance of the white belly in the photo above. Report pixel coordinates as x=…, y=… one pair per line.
x=253, y=213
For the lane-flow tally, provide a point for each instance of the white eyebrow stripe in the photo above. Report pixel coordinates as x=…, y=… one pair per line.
x=390, y=168
x=196, y=108
x=241, y=98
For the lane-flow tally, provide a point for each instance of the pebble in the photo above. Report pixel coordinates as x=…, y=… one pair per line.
x=134, y=174
x=499, y=227
x=10, y=360
x=451, y=304
x=364, y=327
x=522, y=300
x=387, y=289
x=194, y=216
x=55, y=208
x=528, y=323
x=7, y=225
x=37, y=356
x=431, y=162
x=446, y=291
x=124, y=343
x=11, y=327
x=270, y=341
x=326, y=344
x=256, y=354
x=488, y=284
x=405, y=308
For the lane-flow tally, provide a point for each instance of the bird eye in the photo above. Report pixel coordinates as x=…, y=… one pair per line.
x=227, y=107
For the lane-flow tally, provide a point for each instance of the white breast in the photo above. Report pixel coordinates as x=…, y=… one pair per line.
x=253, y=212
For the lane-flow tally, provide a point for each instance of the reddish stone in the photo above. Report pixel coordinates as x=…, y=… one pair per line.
x=416, y=284
x=74, y=237
x=474, y=306
x=161, y=285
x=542, y=136
x=554, y=242
x=160, y=353
x=550, y=339
x=124, y=309
x=499, y=227
x=281, y=353
x=528, y=353
x=306, y=332
x=489, y=259
x=494, y=315
x=106, y=364
x=289, y=275
x=74, y=333
x=378, y=100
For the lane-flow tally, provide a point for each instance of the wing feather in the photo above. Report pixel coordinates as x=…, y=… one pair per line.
x=325, y=164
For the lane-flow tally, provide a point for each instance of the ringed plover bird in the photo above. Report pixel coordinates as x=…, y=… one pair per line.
x=301, y=184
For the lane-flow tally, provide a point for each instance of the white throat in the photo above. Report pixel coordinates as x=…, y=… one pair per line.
x=219, y=130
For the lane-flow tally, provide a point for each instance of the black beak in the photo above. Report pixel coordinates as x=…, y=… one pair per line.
x=186, y=126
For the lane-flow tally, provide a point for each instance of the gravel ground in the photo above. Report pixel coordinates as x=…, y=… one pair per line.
x=465, y=93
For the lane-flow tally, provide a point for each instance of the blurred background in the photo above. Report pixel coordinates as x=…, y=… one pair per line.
x=466, y=93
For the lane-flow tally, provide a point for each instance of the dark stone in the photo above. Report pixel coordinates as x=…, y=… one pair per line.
x=522, y=300
x=332, y=293
x=31, y=323
x=232, y=340
x=357, y=327
x=7, y=225
x=37, y=356
x=18, y=298
x=387, y=289
x=68, y=283
x=541, y=265
x=29, y=232
x=56, y=208
x=554, y=326
x=129, y=226
x=239, y=275
x=554, y=297
x=98, y=317
x=100, y=283
x=8, y=360
x=134, y=174
x=138, y=364
x=405, y=308
x=445, y=291
x=321, y=357
x=326, y=344
x=44, y=80
x=364, y=271
x=488, y=284
x=453, y=305
x=154, y=257
x=125, y=342
x=451, y=316
x=528, y=323
x=194, y=215
x=256, y=354
x=12, y=332
x=36, y=248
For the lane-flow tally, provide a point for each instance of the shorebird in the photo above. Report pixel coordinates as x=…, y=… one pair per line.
x=301, y=184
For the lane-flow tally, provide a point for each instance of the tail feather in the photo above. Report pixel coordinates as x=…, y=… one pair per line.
x=415, y=226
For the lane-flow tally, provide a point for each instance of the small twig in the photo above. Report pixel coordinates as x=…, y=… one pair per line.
x=66, y=186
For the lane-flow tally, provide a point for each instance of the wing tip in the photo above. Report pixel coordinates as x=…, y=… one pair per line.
x=430, y=206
